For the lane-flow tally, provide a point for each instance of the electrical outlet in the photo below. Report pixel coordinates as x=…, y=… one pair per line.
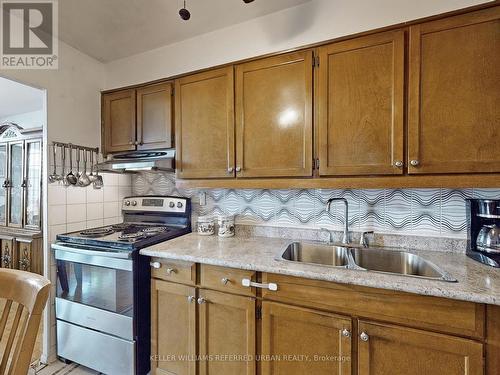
x=203, y=198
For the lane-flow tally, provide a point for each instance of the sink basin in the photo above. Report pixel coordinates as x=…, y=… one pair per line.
x=366, y=259
x=316, y=253
x=397, y=262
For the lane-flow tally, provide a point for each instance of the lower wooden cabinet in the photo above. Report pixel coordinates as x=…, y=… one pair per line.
x=8, y=257
x=298, y=341
x=173, y=329
x=387, y=349
x=226, y=334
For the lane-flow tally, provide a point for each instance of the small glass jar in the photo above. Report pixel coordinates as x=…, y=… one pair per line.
x=206, y=225
x=226, y=226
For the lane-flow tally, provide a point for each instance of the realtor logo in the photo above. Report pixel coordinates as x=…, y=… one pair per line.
x=28, y=34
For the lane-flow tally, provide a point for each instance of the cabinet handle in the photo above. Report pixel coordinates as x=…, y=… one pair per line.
x=191, y=299
x=248, y=283
x=238, y=169
x=224, y=281
x=414, y=162
x=398, y=163
x=346, y=332
x=156, y=265
x=364, y=336
x=201, y=300
x=130, y=143
x=171, y=271
x=230, y=170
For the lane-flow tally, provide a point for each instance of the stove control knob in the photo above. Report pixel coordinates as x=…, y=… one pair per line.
x=127, y=203
x=179, y=204
x=171, y=204
x=134, y=203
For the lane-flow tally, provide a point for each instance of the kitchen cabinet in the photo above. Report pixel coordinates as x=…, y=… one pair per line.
x=173, y=328
x=119, y=121
x=8, y=257
x=361, y=106
x=304, y=341
x=312, y=326
x=138, y=119
x=204, y=122
x=154, y=117
x=454, y=76
x=226, y=333
x=387, y=349
x=274, y=116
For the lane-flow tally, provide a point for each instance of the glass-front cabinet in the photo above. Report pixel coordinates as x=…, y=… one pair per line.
x=20, y=180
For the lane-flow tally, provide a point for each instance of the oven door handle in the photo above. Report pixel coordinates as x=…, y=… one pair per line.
x=93, y=251
x=90, y=257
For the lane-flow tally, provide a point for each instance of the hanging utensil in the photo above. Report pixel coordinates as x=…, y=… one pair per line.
x=98, y=183
x=92, y=176
x=70, y=177
x=83, y=180
x=63, y=171
x=54, y=177
x=78, y=173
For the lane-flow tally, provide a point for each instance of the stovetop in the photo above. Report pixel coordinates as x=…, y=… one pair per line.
x=124, y=236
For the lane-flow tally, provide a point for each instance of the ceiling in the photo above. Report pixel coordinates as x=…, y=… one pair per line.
x=16, y=98
x=112, y=29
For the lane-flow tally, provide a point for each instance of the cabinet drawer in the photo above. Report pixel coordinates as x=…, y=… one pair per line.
x=226, y=279
x=433, y=313
x=173, y=270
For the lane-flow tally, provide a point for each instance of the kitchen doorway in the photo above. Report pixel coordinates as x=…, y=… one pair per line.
x=23, y=188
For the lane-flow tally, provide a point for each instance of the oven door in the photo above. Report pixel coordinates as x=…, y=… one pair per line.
x=95, y=289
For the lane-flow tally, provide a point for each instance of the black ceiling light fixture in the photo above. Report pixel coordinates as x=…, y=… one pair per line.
x=184, y=13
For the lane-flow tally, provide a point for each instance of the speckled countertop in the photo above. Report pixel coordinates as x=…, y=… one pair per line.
x=476, y=282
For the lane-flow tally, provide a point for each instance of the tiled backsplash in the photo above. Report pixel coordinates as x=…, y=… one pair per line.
x=421, y=212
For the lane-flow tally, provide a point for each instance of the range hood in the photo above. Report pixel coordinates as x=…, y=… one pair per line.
x=135, y=161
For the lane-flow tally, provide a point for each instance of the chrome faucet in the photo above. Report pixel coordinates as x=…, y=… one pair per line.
x=345, y=237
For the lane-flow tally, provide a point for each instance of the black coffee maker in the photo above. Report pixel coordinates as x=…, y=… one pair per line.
x=483, y=230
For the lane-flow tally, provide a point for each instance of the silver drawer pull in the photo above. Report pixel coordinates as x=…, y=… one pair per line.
x=171, y=271
x=248, y=283
x=156, y=265
x=201, y=300
x=363, y=336
x=346, y=332
x=191, y=299
x=224, y=281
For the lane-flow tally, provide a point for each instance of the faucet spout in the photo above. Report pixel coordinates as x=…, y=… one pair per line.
x=345, y=237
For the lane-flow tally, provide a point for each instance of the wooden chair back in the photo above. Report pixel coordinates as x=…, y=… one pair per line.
x=24, y=295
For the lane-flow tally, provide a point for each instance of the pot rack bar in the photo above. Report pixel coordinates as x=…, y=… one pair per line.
x=71, y=145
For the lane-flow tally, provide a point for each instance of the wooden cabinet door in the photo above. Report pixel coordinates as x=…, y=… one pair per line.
x=226, y=334
x=24, y=255
x=119, y=121
x=361, y=106
x=154, y=117
x=304, y=341
x=8, y=257
x=274, y=116
x=454, y=96
x=386, y=349
x=173, y=329
x=204, y=124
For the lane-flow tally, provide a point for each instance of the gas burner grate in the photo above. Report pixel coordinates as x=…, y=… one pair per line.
x=97, y=232
x=119, y=226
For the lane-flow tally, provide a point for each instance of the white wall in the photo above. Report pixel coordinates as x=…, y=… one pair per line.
x=27, y=120
x=308, y=23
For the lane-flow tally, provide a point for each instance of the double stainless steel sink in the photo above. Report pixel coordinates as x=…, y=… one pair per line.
x=368, y=259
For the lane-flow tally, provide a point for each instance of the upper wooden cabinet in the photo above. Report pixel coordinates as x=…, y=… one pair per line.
x=119, y=121
x=154, y=116
x=274, y=116
x=387, y=349
x=149, y=125
x=454, y=95
x=204, y=118
x=361, y=105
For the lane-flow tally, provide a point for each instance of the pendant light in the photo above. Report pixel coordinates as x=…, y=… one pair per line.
x=184, y=13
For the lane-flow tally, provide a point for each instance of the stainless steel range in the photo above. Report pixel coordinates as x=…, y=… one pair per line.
x=103, y=285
